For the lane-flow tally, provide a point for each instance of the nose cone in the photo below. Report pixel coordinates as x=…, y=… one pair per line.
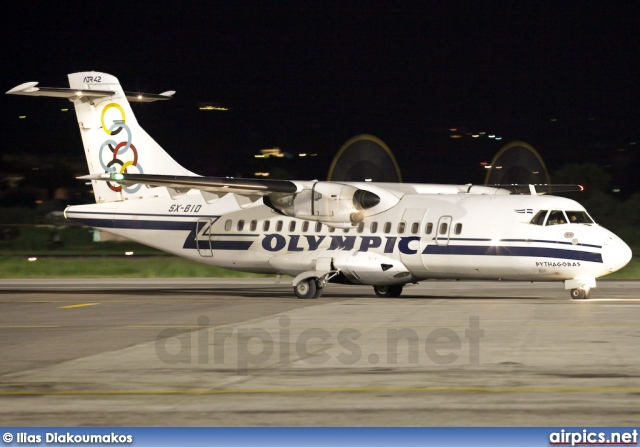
x=615, y=253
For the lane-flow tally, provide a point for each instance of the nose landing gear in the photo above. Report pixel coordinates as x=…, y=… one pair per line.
x=580, y=294
x=580, y=287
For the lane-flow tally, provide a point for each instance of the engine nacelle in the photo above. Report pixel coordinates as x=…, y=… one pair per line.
x=335, y=204
x=357, y=266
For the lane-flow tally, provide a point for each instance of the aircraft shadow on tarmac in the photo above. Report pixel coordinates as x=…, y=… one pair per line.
x=283, y=292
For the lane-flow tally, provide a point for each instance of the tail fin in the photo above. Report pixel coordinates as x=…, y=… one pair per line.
x=114, y=141
x=112, y=138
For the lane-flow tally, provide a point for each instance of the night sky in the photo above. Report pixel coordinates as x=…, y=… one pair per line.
x=307, y=76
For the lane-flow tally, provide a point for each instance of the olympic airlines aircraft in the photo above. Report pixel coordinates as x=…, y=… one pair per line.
x=384, y=235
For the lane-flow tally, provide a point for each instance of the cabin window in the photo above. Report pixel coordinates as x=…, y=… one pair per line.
x=266, y=225
x=429, y=228
x=240, y=225
x=331, y=229
x=401, y=227
x=374, y=227
x=556, y=217
x=346, y=230
x=318, y=227
x=458, y=228
x=360, y=228
x=538, y=219
x=443, y=228
x=279, y=226
x=579, y=217
x=305, y=226
x=253, y=225
x=415, y=227
x=292, y=226
x=387, y=227
x=227, y=225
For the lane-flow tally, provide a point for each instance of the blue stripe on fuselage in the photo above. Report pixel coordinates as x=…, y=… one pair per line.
x=135, y=224
x=533, y=252
x=203, y=243
x=241, y=245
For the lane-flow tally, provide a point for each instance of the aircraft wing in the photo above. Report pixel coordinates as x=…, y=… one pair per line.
x=266, y=187
x=208, y=184
x=335, y=204
x=538, y=189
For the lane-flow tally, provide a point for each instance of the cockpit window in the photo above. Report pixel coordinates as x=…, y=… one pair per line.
x=579, y=217
x=538, y=219
x=556, y=218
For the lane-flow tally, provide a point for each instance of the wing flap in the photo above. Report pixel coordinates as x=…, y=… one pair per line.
x=539, y=189
x=207, y=184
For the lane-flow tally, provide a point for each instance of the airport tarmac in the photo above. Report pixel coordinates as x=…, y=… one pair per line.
x=229, y=352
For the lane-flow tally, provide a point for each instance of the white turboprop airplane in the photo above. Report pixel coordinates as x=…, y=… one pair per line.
x=384, y=235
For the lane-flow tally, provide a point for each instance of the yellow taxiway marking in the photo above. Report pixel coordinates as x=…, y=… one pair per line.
x=73, y=306
x=28, y=327
x=478, y=389
x=275, y=326
x=165, y=326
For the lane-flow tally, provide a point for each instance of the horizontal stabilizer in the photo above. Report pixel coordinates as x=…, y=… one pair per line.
x=32, y=89
x=149, y=97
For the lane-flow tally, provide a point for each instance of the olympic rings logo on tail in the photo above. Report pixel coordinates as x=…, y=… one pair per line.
x=120, y=160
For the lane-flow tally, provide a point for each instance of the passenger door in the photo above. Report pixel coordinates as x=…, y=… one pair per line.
x=203, y=237
x=443, y=229
x=412, y=216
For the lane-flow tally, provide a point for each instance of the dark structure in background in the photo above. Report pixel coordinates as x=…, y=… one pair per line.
x=365, y=158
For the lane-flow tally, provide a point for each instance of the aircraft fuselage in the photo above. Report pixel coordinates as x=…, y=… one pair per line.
x=431, y=236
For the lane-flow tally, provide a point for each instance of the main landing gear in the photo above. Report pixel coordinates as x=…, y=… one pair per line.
x=308, y=288
x=311, y=285
x=393, y=291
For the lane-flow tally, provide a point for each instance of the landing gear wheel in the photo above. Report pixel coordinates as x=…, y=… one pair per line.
x=306, y=289
x=580, y=294
x=319, y=291
x=388, y=291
